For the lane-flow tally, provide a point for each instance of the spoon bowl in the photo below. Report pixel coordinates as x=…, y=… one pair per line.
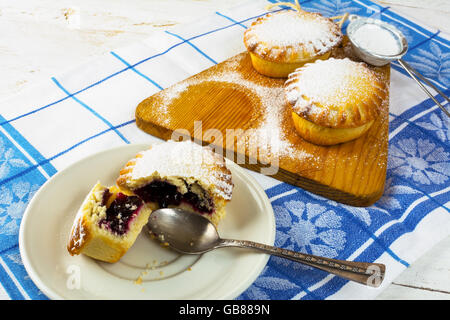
x=184, y=231
x=190, y=233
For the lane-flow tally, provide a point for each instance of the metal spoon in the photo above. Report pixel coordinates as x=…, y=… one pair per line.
x=376, y=59
x=191, y=233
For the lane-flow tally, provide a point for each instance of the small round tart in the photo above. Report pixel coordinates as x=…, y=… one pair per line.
x=281, y=42
x=334, y=101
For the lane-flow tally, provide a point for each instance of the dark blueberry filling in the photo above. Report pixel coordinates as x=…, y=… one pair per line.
x=120, y=212
x=106, y=195
x=202, y=205
x=165, y=194
x=161, y=192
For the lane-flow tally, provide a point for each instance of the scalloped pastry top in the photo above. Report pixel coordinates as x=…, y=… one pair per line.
x=336, y=93
x=292, y=36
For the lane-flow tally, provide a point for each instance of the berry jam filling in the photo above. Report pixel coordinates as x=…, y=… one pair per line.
x=106, y=195
x=120, y=213
x=165, y=194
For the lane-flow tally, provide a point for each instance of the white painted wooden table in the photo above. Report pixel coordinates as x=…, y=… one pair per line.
x=40, y=38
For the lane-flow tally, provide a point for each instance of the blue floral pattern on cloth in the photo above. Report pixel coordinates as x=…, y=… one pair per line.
x=418, y=169
x=15, y=194
x=14, y=197
x=417, y=182
x=433, y=62
x=331, y=8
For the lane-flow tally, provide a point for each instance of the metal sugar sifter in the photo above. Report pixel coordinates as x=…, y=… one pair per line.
x=371, y=55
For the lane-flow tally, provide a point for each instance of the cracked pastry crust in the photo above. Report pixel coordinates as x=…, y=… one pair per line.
x=280, y=42
x=180, y=174
x=334, y=101
x=91, y=232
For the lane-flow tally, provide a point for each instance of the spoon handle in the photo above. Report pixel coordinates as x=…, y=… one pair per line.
x=371, y=274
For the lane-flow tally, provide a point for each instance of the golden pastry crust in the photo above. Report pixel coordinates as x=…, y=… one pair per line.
x=327, y=136
x=89, y=238
x=292, y=36
x=124, y=174
x=336, y=93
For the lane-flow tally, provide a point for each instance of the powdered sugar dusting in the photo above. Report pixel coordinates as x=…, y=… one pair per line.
x=187, y=160
x=330, y=83
x=269, y=134
x=292, y=30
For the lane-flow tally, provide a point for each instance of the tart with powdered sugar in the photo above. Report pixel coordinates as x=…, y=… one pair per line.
x=107, y=224
x=180, y=174
x=280, y=42
x=335, y=100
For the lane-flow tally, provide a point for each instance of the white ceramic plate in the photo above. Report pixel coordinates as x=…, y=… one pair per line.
x=160, y=272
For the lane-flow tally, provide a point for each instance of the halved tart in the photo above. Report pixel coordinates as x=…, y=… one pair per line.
x=180, y=174
x=107, y=224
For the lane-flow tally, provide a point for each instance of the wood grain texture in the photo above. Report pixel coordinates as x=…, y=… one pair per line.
x=232, y=95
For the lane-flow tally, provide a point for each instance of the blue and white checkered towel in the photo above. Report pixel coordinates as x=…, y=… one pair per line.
x=91, y=108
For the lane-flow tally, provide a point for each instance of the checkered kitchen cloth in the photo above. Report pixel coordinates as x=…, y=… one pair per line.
x=91, y=108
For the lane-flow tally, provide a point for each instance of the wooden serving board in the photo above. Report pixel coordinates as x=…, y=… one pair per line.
x=232, y=95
